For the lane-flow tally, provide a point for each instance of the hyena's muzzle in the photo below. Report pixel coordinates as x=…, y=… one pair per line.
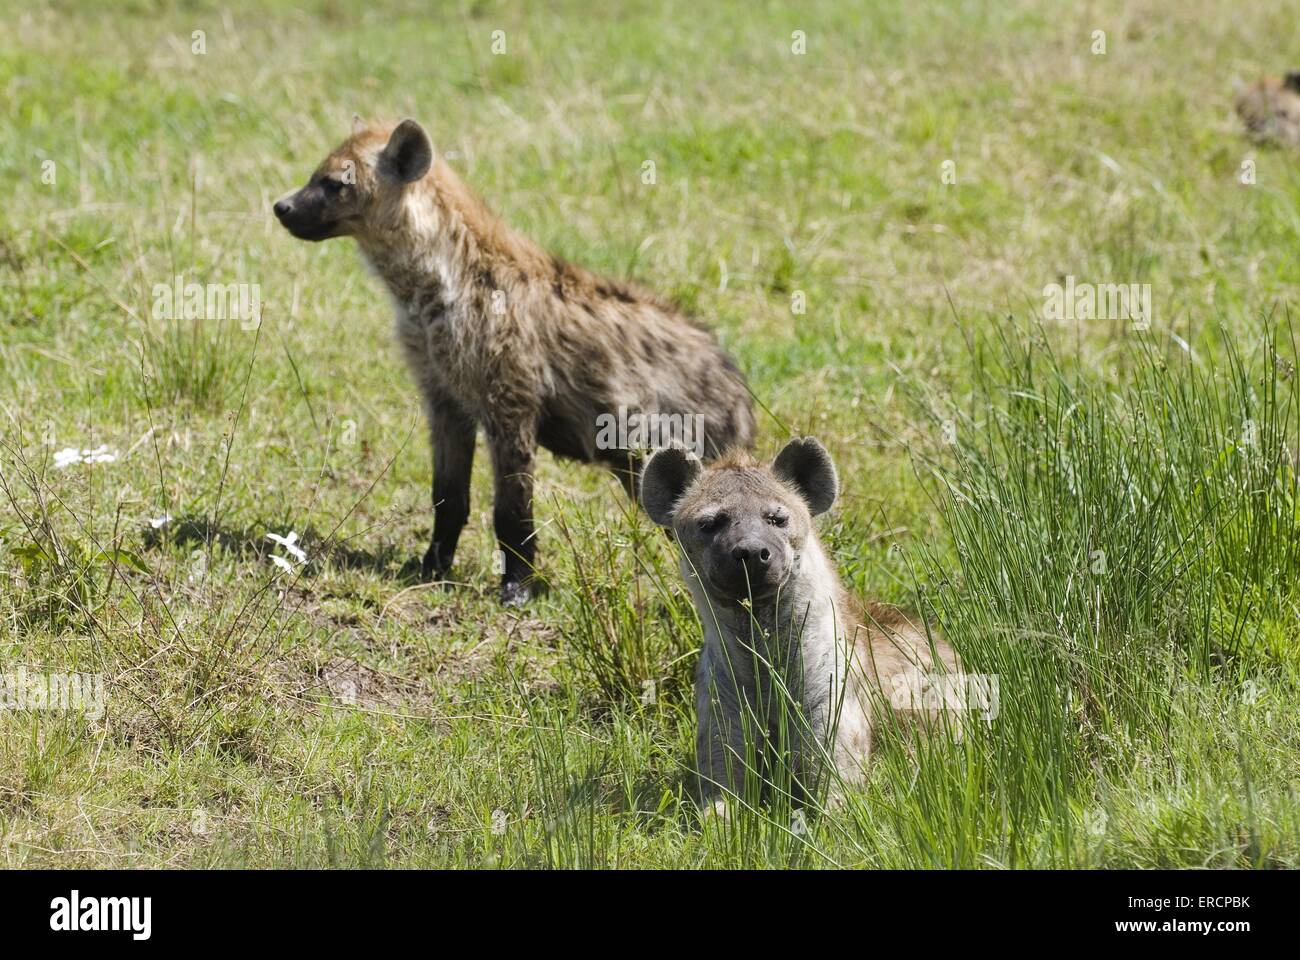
x=312, y=212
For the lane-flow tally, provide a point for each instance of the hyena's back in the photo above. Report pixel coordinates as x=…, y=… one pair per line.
x=613, y=346
x=900, y=653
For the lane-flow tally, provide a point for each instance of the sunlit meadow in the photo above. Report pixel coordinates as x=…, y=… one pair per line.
x=222, y=517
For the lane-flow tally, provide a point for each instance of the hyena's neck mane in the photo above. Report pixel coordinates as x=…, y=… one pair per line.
x=439, y=235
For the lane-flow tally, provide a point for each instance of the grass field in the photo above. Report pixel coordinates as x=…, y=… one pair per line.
x=1105, y=518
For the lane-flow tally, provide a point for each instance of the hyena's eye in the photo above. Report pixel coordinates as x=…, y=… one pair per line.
x=777, y=519
x=331, y=186
x=713, y=522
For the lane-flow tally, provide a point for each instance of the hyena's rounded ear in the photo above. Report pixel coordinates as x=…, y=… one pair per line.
x=664, y=478
x=408, y=154
x=805, y=464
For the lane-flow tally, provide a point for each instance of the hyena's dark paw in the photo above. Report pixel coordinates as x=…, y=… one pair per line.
x=432, y=567
x=515, y=594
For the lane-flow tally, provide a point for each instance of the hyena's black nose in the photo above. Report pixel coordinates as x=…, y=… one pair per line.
x=750, y=552
x=283, y=208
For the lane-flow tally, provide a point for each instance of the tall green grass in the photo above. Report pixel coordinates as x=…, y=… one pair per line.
x=1120, y=545
x=631, y=630
x=1157, y=509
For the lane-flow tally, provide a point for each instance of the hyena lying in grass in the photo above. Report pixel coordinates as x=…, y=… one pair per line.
x=1271, y=110
x=786, y=647
x=501, y=335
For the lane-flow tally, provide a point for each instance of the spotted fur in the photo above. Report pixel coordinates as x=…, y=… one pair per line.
x=1270, y=110
x=504, y=337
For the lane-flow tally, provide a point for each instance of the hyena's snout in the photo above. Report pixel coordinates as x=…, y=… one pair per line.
x=305, y=214
x=748, y=563
x=752, y=553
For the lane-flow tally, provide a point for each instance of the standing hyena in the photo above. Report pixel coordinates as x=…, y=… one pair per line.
x=501, y=335
x=790, y=658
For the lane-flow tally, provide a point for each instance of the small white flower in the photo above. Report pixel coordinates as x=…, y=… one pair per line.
x=100, y=454
x=67, y=457
x=70, y=455
x=289, y=543
x=159, y=522
x=282, y=563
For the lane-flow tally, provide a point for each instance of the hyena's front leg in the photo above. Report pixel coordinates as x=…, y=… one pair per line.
x=512, y=511
x=720, y=756
x=453, y=433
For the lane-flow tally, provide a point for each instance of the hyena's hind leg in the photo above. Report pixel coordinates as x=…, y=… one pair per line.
x=914, y=670
x=513, y=454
